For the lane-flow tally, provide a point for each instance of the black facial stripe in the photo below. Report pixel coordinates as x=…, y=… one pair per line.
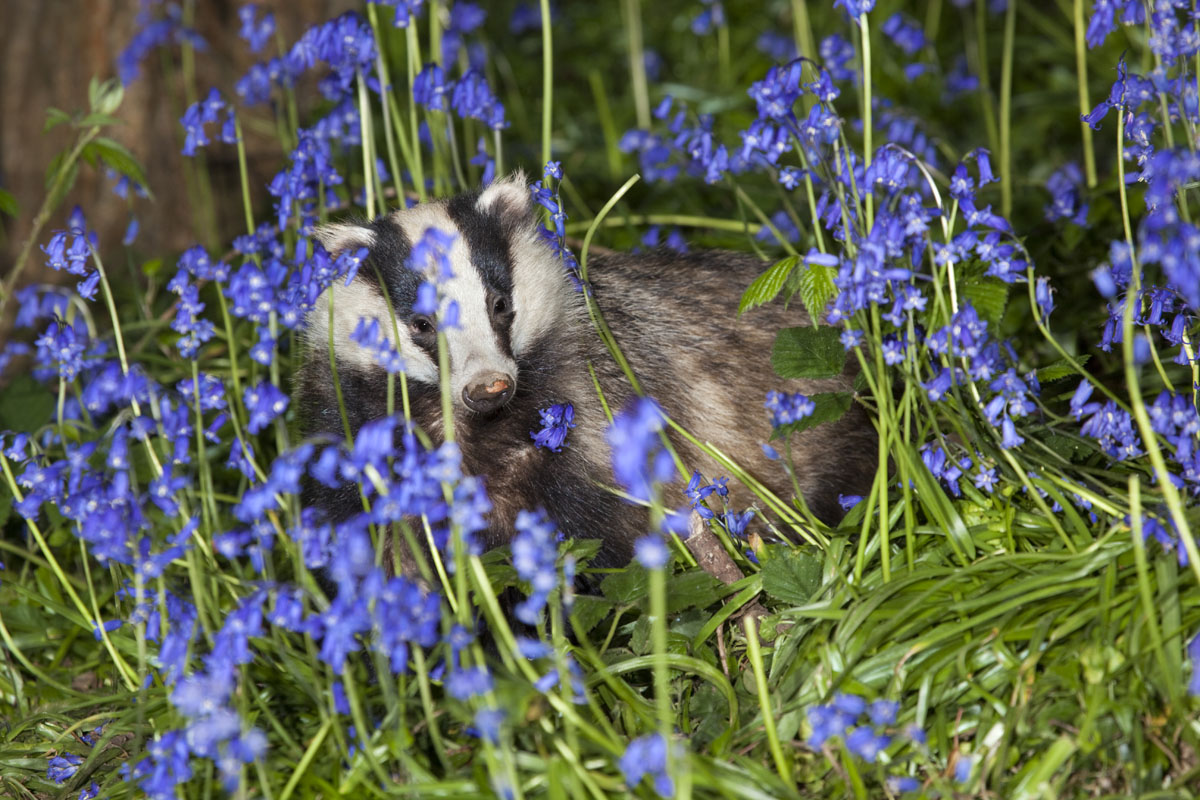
x=389, y=256
x=486, y=240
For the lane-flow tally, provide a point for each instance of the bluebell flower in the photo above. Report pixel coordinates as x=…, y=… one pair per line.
x=535, y=556
x=62, y=767
x=788, y=408
x=256, y=32
x=647, y=756
x=651, y=551
x=866, y=743
x=1066, y=195
x=487, y=722
x=462, y=684
x=152, y=34
x=776, y=46
x=264, y=402
x=556, y=421
x=962, y=768
x=639, y=460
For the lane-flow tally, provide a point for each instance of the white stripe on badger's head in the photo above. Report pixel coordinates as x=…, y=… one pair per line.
x=362, y=299
x=476, y=350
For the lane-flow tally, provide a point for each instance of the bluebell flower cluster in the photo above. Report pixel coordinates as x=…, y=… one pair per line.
x=843, y=717
x=556, y=421
x=535, y=557
x=703, y=497
x=470, y=96
x=153, y=33
x=555, y=234
x=788, y=408
x=345, y=44
x=206, y=112
x=1066, y=195
x=256, y=31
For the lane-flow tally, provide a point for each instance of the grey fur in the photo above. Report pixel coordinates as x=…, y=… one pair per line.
x=675, y=318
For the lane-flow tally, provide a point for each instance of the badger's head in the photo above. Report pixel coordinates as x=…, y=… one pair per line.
x=509, y=289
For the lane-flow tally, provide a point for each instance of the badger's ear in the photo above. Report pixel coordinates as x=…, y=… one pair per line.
x=338, y=237
x=508, y=197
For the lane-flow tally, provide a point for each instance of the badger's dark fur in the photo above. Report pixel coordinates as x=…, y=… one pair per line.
x=674, y=316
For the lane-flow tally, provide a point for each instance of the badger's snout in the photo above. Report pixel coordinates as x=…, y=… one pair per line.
x=489, y=391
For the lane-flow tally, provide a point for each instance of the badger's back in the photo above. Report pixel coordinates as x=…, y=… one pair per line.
x=675, y=316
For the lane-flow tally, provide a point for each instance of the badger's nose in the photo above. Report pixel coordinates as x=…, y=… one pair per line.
x=488, y=392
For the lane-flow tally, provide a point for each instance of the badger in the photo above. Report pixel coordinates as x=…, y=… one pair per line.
x=524, y=342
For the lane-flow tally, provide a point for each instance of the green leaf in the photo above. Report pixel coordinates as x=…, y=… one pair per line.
x=1060, y=369
x=588, y=611
x=933, y=498
x=817, y=289
x=105, y=97
x=98, y=120
x=693, y=588
x=791, y=576
x=54, y=118
x=8, y=204
x=830, y=406
x=808, y=352
x=625, y=587
x=117, y=156
x=25, y=405
x=766, y=287
x=988, y=295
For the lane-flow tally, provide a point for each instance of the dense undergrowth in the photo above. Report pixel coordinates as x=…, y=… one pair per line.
x=991, y=202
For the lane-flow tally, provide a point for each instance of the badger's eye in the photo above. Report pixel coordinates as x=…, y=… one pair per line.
x=422, y=324
x=499, y=306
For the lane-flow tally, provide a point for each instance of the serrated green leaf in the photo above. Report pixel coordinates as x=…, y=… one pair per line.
x=766, y=287
x=54, y=118
x=817, y=289
x=808, y=352
x=625, y=587
x=587, y=612
x=988, y=295
x=830, y=406
x=117, y=156
x=693, y=588
x=8, y=204
x=1060, y=369
x=791, y=576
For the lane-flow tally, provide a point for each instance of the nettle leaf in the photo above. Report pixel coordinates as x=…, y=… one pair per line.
x=817, y=289
x=766, y=287
x=791, y=576
x=625, y=587
x=808, y=352
x=830, y=406
x=588, y=611
x=693, y=588
x=988, y=295
x=1060, y=369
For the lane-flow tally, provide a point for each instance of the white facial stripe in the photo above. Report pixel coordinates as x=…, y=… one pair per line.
x=361, y=300
x=474, y=347
x=340, y=236
x=511, y=190
x=542, y=294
